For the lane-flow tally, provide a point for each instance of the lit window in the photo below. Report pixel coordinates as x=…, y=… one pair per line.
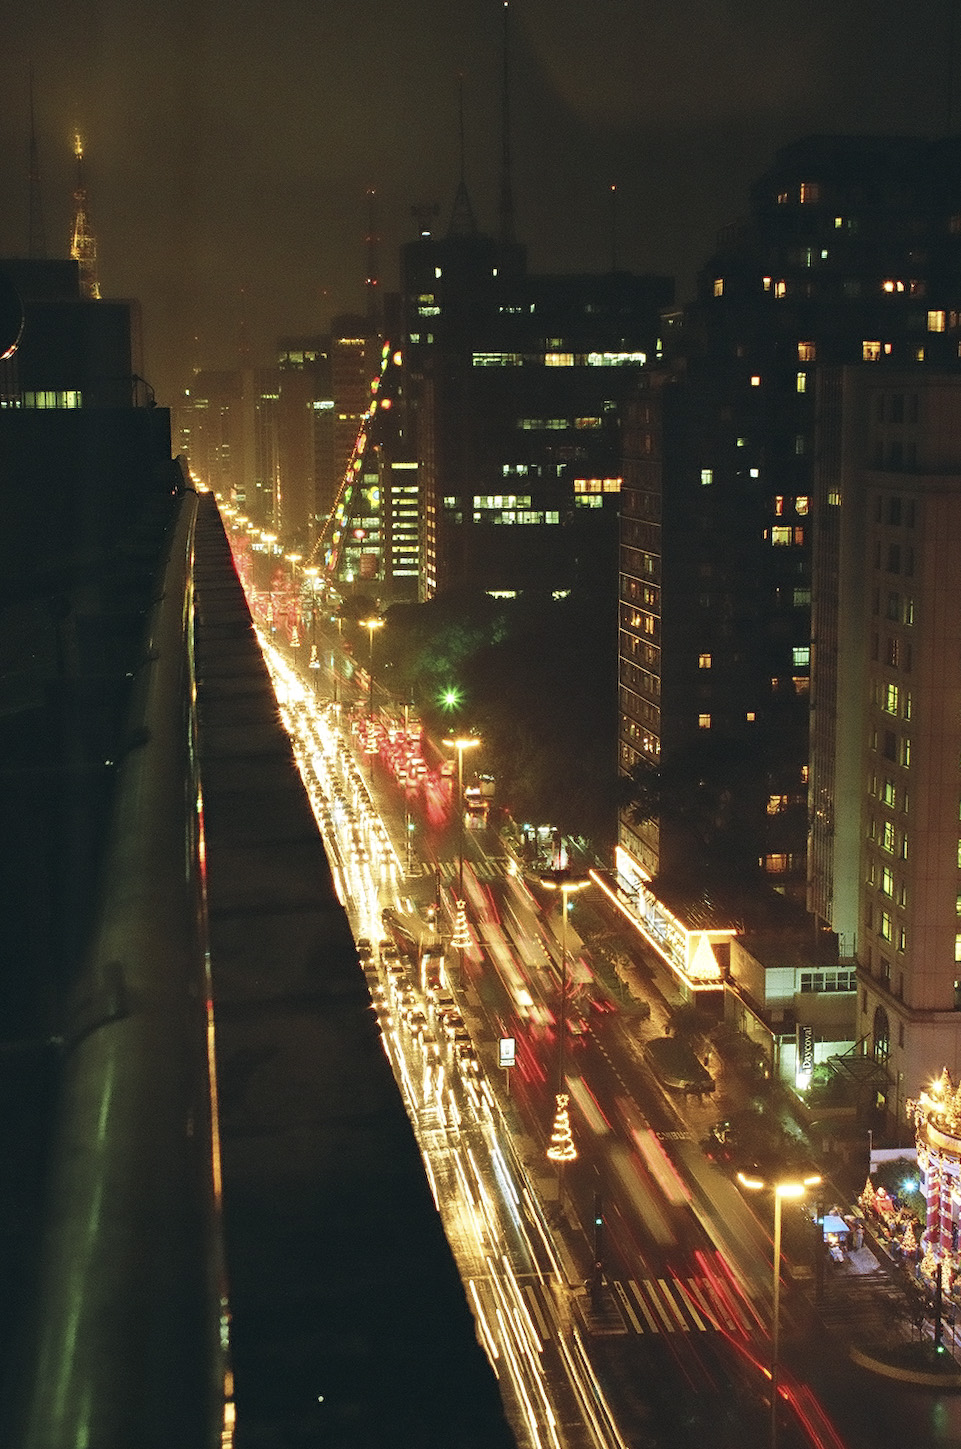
x=558, y=359
x=719, y=286
x=870, y=351
x=886, y=928
x=887, y=881
x=782, y=198
x=750, y=716
x=891, y=698
x=766, y=283
x=704, y=721
x=802, y=382
x=754, y=472
x=810, y=192
x=802, y=505
x=780, y=289
x=806, y=352
x=887, y=836
x=802, y=656
x=707, y=476
x=781, y=534
x=704, y=661
x=935, y=321
x=755, y=380
x=892, y=286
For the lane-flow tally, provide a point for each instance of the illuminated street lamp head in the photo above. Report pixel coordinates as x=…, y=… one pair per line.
x=450, y=698
x=462, y=742
x=789, y=1187
x=375, y=623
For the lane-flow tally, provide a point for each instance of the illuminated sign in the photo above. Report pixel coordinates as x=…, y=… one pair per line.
x=506, y=1051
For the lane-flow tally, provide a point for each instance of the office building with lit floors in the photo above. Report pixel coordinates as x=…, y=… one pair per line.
x=515, y=385
x=851, y=252
x=885, y=846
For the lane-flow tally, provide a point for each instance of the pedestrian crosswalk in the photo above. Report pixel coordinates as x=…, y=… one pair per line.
x=492, y=867
x=650, y=1305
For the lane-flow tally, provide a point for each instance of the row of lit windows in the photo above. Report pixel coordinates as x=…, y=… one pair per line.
x=892, y=698
x=513, y=516
x=897, y=652
x=496, y=500
x=887, y=927
x=884, y=835
x=597, y=485
x=827, y=981
x=51, y=399
x=532, y=470
x=540, y=425
x=555, y=359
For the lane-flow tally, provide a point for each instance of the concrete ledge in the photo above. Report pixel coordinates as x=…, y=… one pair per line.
x=924, y=1378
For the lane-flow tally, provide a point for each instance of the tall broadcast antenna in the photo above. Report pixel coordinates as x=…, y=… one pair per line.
x=83, y=247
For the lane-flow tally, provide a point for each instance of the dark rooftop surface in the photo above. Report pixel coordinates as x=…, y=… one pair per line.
x=350, y=1324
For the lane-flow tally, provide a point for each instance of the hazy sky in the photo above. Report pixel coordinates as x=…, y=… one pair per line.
x=230, y=147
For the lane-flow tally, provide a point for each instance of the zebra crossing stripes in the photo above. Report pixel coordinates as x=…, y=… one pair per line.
x=537, y=1312
x=491, y=868
x=659, y=1305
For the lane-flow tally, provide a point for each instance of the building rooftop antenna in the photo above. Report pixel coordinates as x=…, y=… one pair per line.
x=372, y=281
x=83, y=246
x=507, y=194
x=36, y=233
x=462, y=219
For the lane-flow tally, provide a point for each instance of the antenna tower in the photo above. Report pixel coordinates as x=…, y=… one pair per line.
x=507, y=195
x=462, y=221
x=372, y=283
x=37, y=240
x=83, y=246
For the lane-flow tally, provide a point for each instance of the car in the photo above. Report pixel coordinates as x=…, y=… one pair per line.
x=429, y=1046
x=453, y=1022
x=460, y=1038
x=365, y=950
x=467, y=1058
x=441, y=1003
x=676, y=1066
x=386, y=948
x=415, y=1020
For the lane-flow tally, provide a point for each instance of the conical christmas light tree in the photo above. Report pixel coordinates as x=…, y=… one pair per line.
x=562, y=1147
x=461, y=936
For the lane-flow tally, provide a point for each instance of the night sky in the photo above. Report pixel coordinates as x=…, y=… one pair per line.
x=230, y=146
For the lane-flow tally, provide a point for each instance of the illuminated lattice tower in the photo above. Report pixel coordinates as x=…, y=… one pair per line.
x=83, y=247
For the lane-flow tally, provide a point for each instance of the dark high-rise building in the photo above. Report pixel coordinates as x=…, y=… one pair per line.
x=514, y=390
x=885, y=856
x=850, y=254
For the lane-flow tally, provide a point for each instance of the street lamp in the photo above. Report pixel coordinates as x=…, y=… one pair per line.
x=783, y=1189
x=375, y=622
x=561, y=1148
x=460, y=744
x=370, y=625
x=568, y=884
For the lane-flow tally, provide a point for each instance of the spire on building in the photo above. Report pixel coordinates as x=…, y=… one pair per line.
x=37, y=240
x=372, y=283
x=507, y=195
x=462, y=219
x=83, y=246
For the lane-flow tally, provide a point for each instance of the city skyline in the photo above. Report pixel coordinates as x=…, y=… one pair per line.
x=229, y=155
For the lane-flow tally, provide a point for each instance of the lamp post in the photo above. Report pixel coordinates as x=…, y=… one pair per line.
x=461, y=743
x=568, y=884
x=790, y=1189
x=561, y=1148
